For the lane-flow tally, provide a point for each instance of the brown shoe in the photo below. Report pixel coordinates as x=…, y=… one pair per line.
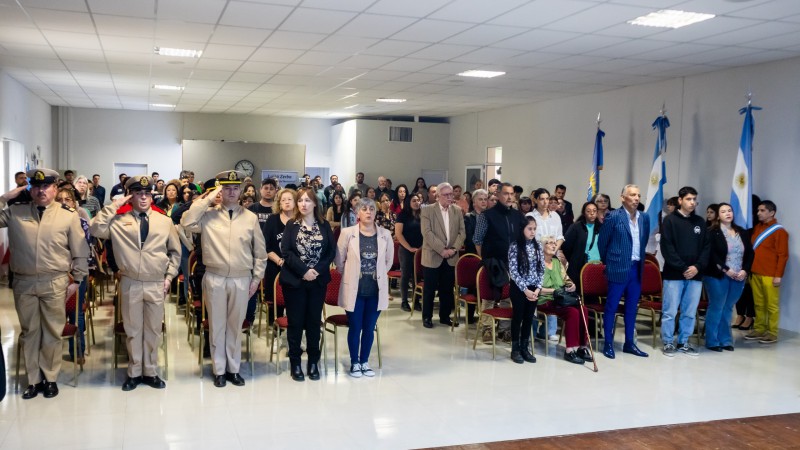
x=768, y=339
x=755, y=336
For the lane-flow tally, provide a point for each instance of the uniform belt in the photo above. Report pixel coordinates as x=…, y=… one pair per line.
x=40, y=276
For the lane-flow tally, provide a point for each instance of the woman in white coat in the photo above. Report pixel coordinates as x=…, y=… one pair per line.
x=364, y=255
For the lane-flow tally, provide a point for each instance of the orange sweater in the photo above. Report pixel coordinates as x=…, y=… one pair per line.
x=771, y=256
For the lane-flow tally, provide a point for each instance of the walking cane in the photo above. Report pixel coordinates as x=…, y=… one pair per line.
x=586, y=328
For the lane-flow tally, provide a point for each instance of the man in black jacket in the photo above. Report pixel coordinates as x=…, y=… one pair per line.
x=685, y=247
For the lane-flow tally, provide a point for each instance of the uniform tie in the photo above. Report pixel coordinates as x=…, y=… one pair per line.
x=230, y=213
x=41, y=211
x=144, y=227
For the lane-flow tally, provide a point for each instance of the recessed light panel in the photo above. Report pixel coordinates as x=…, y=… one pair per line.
x=670, y=18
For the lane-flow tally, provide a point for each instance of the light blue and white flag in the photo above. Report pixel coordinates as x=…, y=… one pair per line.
x=597, y=165
x=742, y=188
x=658, y=174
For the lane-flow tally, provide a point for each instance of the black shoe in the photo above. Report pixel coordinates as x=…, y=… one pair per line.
x=448, y=322
x=585, y=354
x=471, y=320
x=633, y=350
x=427, y=323
x=738, y=324
x=516, y=356
x=405, y=307
x=715, y=348
x=32, y=391
x=219, y=381
x=131, y=383
x=297, y=373
x=418, y=306
x=234, y=378
x=728, y=348
x=154, y=382
x=313, y=371
x=573, y=357
x=50, y=389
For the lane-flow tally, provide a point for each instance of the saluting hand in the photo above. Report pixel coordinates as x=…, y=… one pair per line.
x=122, y=201
x=14, y=193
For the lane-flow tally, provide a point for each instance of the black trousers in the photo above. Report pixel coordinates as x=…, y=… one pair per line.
x=304, y=313
x=746, y=306
x=522, y=314
x=406, y=271
x=443, y=279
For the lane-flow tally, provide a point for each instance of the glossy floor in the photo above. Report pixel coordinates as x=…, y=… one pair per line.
x=433, y=390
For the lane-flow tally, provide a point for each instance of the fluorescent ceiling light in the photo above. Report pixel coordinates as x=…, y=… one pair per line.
x=180, y=52
x=390, y=100
x=351, y=106
x=167, y=87
x=481, y=74
x=670, y=18
x=162, y=105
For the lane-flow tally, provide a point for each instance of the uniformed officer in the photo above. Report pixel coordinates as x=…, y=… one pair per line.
x=47, y=244
x=235, y=256
x=147, y=251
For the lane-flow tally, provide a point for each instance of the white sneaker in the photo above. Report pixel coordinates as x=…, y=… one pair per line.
x=553, y=338
x=355, y=370
x=366, y=370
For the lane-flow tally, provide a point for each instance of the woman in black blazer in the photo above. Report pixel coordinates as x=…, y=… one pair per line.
x=579, y=244
x=308, y=248
x=728, y=266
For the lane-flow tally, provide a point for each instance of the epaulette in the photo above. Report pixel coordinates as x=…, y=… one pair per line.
x=68, y=208
x=125, y=208
x=158, y=210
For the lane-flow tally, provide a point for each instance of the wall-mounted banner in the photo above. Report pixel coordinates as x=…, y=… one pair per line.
x=284, y=177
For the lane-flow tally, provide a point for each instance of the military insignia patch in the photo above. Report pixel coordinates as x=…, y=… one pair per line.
x=39, y=175
x=144, y=182
x=232, y=176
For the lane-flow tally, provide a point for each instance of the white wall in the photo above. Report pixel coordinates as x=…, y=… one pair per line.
x=97, y=138
x=26, y=118
x=550, y=142
x=343, y=147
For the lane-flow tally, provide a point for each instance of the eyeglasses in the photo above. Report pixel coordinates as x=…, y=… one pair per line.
x=64, y=200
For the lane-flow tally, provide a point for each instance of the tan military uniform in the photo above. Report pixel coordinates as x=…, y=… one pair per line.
x=234, y=253
x=43, y=253
x=143, y=269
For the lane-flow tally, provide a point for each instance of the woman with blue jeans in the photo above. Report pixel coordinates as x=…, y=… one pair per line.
x=729, y=263
x=364, y=255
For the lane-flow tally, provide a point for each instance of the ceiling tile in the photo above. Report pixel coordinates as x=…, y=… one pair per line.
x=202, y=11
x=218, y=64
x=391, y=47
x=16, y=35
x=239, y=35
x=443, y=52
x=675, y=51
x=536, y=39
x=350, y=44
x=717, y=6
x=752, y=33
x=488, y=55
x=427, y=30
x=783, y=41
x=410, y=8
x=61, y=5
x=475, y=12
x=124, y=26
x=631, y=47
x=60, y=20
x=310, y=70
x=601, y=16
x=316, y=20
x=262, y=67
x=484, y=35
x=322, y=58
x=584, y=44
x=182, y=31
x=275, y=55
x=127, y=44
x=139, y=8
x=541, y=12
x=221, y=51
x=409, y=64
x=705, y=29
x=342, y=5
x=375, y=26
x=254, y=15
x=367, y=61
x=294, y=40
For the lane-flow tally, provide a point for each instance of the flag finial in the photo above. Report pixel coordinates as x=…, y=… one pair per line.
x=598, y=120
x=749, y=98
x=663, y=109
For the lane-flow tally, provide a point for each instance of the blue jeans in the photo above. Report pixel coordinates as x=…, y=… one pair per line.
x=81, y=322
x=361, y=323
x=686, y=295
x=184, y=269
x=723, y=293
x=632, y=289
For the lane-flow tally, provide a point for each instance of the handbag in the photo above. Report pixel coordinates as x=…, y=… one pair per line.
x=564, y=299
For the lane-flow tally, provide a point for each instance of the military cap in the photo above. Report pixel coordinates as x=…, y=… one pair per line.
x=42, y=176
x=229, y=177
x=209, y=184
x=139, y=182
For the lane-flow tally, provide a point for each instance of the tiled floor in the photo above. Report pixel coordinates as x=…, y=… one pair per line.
x=433, y=390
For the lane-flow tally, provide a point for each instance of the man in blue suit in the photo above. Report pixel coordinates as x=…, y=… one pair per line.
x=622, y=242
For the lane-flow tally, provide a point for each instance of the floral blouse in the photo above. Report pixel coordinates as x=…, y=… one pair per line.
x=534, y=275
x=309, y=244
x=386, y=221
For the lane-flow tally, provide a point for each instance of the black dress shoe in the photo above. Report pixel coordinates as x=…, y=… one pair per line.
x=633, y=350
x=234, y=378
x=32, y=391
x=154, y=382
x=131, y=383
x=418, y=306
x=427, y=323
x=405, y=307
x=471, y=320
x=516, y=356
x=313, y=371
x=585, y=354
x=50, y=389
x=297, y=373
x=715, y=348
x=728, y=348
x=219, y=381
x=448, y=322
x=573, y=358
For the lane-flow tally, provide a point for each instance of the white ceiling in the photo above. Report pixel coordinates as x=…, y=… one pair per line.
x=314, y=58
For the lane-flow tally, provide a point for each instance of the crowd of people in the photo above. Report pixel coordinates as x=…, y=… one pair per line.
x=240, y=236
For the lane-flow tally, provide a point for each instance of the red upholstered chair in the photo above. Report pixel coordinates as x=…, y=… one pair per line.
x=395, y=273
x=419, y=283
x=650, y=302
x=466, y=277
x=495, y=315
x=263, y=306
x=332, y=322
x=701, y=306
x=279, y=326
x=594, y=284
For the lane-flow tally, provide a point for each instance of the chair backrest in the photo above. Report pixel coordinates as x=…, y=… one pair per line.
x=278, y=292
x=332, y=292
x=593, y=280
x=467, y=270
x=418, y=266
x=396, y=259
x=651, y=280
x=485, y=290
x=651, y=257
x=192, y=261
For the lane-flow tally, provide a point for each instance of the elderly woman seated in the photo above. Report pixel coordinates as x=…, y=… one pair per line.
x=555, y=277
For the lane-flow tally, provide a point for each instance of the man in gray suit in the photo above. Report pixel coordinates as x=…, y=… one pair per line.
x=443, y=235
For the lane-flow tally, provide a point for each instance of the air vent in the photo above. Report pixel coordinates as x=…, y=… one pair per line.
x=399, y=134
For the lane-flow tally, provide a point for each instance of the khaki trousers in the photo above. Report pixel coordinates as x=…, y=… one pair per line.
x=40, y=305
x=226, y=304
x=142, y=315
x=767, y=300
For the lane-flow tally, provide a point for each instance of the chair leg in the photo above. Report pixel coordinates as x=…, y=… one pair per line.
x=477, y=331
x=336, y=349
x=494, y=339
x=378, y=337
x=260, y=317
x=165, y=344
x=250, y=354
x=19, y=358
x=200, y=352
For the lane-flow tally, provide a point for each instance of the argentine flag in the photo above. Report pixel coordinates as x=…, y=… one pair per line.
x=658, y=175
x=597, y=165
x=741, y=187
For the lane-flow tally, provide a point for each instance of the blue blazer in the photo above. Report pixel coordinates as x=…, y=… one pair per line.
x=616, y=244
